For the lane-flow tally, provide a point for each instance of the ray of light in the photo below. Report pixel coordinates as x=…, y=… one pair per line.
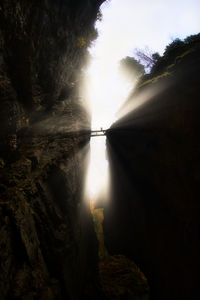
x=136, y=101
x=127, y=25
x=97, y=185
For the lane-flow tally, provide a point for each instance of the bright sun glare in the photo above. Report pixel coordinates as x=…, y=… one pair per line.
x=126, y=25
x=98, y=178
x=107, y=91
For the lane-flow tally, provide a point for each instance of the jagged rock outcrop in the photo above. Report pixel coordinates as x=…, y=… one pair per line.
x=153, y=216
x=48, y=247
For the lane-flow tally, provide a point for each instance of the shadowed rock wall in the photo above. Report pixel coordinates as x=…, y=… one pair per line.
x=153, y=216
x=48, y=248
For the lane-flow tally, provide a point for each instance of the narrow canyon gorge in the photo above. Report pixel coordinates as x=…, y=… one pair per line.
x=51, y=240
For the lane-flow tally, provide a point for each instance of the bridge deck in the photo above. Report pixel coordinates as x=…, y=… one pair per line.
x=98, y=133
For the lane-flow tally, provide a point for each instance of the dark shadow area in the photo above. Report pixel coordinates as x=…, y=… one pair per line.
x=153, y=216
x=48, y=247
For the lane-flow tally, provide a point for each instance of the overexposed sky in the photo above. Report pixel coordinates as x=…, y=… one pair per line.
x=126, y=25
x=135, y=23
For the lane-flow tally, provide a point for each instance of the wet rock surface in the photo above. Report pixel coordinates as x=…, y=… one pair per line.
x=48, y=247
x=120, y=277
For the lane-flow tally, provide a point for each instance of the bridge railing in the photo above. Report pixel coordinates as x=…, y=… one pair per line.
x=98, y=133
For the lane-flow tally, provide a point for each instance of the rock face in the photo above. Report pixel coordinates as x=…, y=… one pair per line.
x=154, y=156
x=48, y=247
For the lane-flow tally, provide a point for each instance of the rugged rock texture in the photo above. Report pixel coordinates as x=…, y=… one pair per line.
x=48, y=247
x=154, y=153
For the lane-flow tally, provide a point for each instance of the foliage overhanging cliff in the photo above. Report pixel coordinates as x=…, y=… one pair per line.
x=154, y=152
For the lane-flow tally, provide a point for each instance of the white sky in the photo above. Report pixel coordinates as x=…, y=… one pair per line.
x=129, y=24
x=135, y=23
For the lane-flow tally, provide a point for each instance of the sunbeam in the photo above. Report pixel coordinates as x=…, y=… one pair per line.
x=139, y=99
x=106, y=90
x=97, y=183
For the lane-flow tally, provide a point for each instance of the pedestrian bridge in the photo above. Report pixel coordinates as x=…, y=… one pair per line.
x=100, y=132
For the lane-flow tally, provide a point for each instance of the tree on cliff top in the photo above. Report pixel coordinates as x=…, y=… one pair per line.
x=147, y=58
x=131, y=69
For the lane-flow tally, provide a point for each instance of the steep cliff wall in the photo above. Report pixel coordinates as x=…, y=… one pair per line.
x=48, y=247
x=154, y=155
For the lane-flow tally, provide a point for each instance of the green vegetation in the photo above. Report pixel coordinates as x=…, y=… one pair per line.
x=131, y=69
x=149, y=79
x=176, y=53
x=146, y=58
x=81, y=42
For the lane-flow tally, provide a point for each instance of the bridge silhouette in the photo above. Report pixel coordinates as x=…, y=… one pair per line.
x=100, y=132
